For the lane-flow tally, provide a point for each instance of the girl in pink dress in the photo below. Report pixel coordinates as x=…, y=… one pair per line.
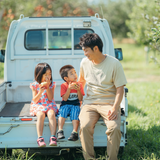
x=43, y=102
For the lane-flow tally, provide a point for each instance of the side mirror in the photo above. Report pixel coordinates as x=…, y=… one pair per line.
x=2, y=55
x=118, y=53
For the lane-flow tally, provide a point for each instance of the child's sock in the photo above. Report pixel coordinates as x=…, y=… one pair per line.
x=74, y=131
x=53, y=136
x=40, y=137
x=60, y=130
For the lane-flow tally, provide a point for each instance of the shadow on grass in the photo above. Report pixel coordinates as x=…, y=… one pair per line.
x=134, y=109
x=142, y=144
x=19, y=154
x=74, y=154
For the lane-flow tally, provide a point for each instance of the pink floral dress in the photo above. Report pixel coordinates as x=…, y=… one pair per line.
x=43, y=104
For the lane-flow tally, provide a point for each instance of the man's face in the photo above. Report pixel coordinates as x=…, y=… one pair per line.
x=89, y=53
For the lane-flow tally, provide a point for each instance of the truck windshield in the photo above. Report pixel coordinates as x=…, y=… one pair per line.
x=58, y=39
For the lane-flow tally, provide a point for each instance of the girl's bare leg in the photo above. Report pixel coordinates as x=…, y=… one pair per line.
x=52, y=121
x=40, y=123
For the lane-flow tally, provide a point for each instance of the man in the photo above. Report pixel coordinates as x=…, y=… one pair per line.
x=105, y=80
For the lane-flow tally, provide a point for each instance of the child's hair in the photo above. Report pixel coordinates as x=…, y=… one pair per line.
x=64, y=71
x=41, y=69
x=91, y=40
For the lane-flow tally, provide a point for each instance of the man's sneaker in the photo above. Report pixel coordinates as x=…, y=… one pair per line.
x=60, y=134
x=53, y=141
x=41, y=142
x=73, y=136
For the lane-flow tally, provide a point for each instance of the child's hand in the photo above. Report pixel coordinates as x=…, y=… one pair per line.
x=74, y=85
x=42, y=88
x=44, y=85
x=71, y=85
x=77, y=86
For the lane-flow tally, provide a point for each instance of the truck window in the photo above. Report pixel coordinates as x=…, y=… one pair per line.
x=77, y=34
x=58, y=39
x=35, y=39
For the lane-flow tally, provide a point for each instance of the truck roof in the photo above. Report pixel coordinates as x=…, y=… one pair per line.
x=64, y=17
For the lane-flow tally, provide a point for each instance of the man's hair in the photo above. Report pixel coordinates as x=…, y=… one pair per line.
x=64, y=71
x=41, y=69
x=91, y=40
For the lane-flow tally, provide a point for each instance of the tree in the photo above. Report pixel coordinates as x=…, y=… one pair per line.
x=144, y=24
x=141, y=20
x=11, y=9
x=116, y=13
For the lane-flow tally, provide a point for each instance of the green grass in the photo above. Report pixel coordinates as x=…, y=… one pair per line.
x=144, y=123
x=143, y=103
x=143, y=130
x=1, y=70
x=135, y=62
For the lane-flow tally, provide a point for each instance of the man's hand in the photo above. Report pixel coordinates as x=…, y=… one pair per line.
x=112, y=114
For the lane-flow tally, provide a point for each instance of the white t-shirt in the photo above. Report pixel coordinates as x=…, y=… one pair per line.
x=102, y=80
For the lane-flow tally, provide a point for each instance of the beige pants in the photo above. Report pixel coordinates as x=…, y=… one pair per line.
x=89, y=116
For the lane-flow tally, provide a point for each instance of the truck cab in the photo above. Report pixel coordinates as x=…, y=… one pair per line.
x=54, y=40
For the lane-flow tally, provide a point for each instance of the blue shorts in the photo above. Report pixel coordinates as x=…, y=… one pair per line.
x=69, y=110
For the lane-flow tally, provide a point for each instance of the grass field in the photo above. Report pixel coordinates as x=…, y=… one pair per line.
x=144, y=104
x=1, y=70
x=143, y=130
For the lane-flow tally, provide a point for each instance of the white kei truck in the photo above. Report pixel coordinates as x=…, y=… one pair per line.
x=54, y=40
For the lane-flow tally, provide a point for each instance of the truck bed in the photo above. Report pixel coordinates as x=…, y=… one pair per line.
x=11, y=123
x=20, y=109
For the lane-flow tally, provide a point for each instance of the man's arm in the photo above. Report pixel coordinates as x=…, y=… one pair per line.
x=81, y=78
x=80, y=96
x=113, y=113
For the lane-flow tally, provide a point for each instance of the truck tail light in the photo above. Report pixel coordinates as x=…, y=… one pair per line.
x=26, y=119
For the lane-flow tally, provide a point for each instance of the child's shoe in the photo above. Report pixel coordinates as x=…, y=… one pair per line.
x=41, y=142
x=53, y=141
x=73, y=136
x=60, y=134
